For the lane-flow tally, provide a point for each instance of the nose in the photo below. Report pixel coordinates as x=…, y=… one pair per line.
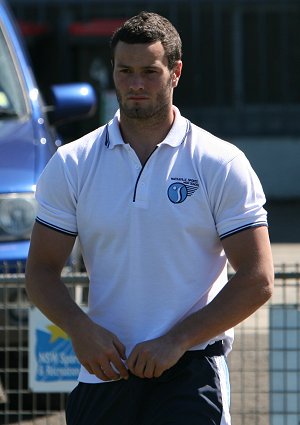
x=136, y=82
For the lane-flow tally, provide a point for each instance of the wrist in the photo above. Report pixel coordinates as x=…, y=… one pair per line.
x=179, y=339
x=79, y=323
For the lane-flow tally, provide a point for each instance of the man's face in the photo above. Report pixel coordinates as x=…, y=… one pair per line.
x=144, y=83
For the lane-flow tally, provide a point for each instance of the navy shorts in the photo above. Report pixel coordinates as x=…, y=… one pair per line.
x=193, y=392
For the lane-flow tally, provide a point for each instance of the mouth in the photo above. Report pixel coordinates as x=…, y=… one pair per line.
x=137, y=98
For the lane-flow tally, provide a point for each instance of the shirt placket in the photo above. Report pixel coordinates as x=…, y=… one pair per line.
x=140, y=195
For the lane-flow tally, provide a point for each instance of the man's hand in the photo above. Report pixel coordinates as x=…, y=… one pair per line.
x=100, y=352
x=150, y=359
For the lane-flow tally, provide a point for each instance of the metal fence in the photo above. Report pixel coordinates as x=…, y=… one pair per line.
x=264, y=365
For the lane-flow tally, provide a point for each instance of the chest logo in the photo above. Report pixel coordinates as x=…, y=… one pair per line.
x=181, y=189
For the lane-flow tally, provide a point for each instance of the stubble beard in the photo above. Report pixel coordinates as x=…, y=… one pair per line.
x=156, y=111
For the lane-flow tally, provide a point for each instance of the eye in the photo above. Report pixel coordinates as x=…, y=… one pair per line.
x=124, y=70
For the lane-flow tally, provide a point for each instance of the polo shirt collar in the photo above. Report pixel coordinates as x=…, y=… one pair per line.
x=178, y=130
x=174, y=138
x=113, y=133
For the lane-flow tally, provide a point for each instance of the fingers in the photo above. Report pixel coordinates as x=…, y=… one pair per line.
x=150, y=359
x=144, y=364
x=148, y=370
x=118, y=366
x=136, y=364
x=108, y=372
x=118, y=359
x=102, y=354
x=98, y=371
x=108, y=368
x=120, y=348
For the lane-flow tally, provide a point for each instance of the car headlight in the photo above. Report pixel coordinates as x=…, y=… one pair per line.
x=17, y=215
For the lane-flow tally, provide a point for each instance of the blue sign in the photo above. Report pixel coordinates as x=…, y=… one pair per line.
x=53, y=365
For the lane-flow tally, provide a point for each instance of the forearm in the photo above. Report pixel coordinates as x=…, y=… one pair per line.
x=47, y=292
x=241, y=297
x=94, y=346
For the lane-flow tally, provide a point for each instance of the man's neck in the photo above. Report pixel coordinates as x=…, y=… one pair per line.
x=144, y=135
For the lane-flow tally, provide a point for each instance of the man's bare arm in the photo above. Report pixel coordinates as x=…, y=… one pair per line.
x=96, y=348
x=249, y=253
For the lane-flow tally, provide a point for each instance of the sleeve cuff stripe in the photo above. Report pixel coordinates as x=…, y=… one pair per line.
x=246, y=226
x=57, y=228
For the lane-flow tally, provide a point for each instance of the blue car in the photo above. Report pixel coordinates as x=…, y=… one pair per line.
x=27, y=139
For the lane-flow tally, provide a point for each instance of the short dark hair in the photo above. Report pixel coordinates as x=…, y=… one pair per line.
x=149, y=27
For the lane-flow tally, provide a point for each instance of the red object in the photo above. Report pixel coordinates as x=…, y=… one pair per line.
x=33, y=29
x=95, y=28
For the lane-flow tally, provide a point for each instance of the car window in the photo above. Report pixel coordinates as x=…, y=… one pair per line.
x=12, y=102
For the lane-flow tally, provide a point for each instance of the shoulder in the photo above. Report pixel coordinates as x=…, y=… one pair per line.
x=212, y=148
x=75, y=158
x=221, y=164
x=81, y=148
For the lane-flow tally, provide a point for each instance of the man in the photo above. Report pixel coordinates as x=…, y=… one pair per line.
x=158, y=205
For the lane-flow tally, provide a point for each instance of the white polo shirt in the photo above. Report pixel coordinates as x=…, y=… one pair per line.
x=150, y=236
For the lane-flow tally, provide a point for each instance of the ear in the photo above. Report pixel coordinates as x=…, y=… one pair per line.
x=176, y=73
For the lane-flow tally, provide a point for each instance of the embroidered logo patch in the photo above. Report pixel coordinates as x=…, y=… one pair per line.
x=181, y=189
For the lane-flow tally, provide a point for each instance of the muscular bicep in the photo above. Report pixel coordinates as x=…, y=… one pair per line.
x=249, y=249
x=49, y=248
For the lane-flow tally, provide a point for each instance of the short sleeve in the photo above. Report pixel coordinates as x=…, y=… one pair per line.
x=238, y=198
x=56, y=196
